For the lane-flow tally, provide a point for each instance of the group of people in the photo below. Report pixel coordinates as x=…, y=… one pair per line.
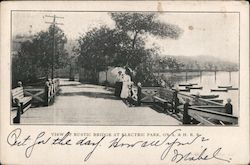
x=123, y=86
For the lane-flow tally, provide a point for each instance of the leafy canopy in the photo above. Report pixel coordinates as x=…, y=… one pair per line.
x=34, y=58
x=125, y=44
x=145, y=23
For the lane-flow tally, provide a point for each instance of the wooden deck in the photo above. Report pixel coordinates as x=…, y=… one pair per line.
x=85, y=104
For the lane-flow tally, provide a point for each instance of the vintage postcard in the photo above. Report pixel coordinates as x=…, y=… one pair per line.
x=122, y=82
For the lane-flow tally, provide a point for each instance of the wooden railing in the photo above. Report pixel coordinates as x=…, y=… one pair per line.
x=147, y=94
x=43, y=94
x=211, y=117
x=204, y=112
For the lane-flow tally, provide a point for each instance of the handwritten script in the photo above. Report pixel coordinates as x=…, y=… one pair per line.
x=174, y=149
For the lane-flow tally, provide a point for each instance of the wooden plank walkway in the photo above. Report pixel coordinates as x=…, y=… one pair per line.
x=85, y=104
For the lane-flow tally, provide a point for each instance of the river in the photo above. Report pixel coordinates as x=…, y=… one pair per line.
x=209, y=81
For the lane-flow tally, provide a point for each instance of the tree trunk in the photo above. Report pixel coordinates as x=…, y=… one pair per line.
x=135, y=36
x=133, y=45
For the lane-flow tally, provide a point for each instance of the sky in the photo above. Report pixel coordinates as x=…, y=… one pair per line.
x=213, y=34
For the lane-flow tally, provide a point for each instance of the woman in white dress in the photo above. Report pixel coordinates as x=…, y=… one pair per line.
x=125, y=86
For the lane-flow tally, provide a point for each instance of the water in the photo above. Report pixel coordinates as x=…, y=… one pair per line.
x=209, y=81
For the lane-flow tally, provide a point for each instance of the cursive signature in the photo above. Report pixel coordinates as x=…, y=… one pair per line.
x=203, y=155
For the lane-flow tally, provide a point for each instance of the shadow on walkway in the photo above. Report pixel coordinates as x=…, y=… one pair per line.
x=91, y=94
x=62, y=85
x=80, y=86
x=167, y=112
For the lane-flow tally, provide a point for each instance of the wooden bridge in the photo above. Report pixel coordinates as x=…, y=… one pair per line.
x=88, y=104
x=95, y=105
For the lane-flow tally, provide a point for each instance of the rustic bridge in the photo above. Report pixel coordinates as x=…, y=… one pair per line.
x=89, y=104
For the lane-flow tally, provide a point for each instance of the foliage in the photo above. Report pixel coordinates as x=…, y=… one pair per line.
x=100, y=48
x=168, y=63
x=34, y=58
x=138, y=25
x=141, y=23
x=125, y=44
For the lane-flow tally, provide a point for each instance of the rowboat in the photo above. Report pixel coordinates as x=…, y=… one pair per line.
x=219, y=90
x=225, y=86
x=191, y=87
x=233, y=88
x=185, y=85
x=183, y=90
x=207, y=96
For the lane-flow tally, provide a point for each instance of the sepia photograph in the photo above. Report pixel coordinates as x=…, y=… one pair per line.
x=125, y=68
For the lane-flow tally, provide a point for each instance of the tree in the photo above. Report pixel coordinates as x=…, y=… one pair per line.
x=34, y=59
x=124, y=45
x=100, y=48
x=168, y=63
x=137, y=25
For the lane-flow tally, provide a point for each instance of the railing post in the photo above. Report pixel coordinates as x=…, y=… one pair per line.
x=16, y=119
x=56, y=86
x=50, y=91
x=46, y=93
x=139, y=94
x=175, y=101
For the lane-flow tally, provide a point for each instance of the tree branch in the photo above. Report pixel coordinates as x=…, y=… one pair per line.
x=134, y=39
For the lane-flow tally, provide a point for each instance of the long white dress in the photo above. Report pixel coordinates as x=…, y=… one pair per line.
x=125, y=86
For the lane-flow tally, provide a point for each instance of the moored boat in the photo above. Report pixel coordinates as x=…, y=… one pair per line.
x=219, y=90
x=193, y=84
x=183, y=90
x=191, y=87
x=207, y=96
x=225, y=86
x=185, y=85
x=233, y=88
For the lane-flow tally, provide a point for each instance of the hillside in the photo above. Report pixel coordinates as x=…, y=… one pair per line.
x=205, y=62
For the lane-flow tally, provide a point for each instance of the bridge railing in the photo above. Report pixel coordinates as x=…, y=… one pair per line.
x=211, y=117
x=43, y=95
x=205, y=112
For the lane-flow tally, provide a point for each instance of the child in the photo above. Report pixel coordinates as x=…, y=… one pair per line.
x=229, y=107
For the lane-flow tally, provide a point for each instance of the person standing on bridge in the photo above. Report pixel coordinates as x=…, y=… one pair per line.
x=186, y=118
x=229, y=107
x=126, y=86
x=176, y=101
x=118, y=84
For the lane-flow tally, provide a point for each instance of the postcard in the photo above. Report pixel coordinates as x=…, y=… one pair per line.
x=124, y=82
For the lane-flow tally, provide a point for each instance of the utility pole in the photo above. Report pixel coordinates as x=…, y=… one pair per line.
x=54, y=23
